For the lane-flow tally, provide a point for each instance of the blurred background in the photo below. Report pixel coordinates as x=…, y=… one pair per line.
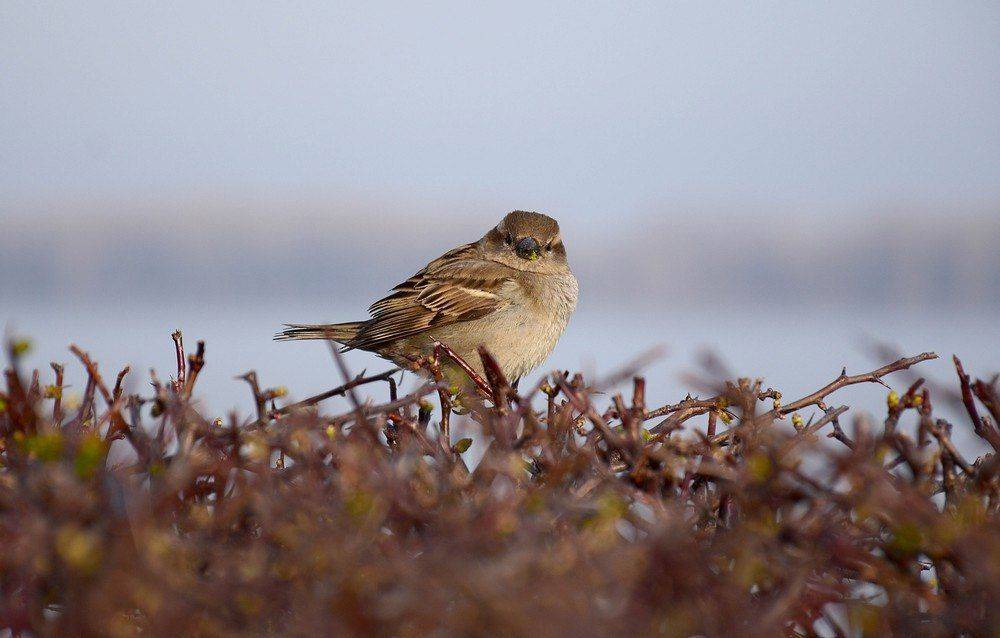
x=783, y=183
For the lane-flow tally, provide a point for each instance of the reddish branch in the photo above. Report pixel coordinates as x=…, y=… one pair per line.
x=875, y=376
x=196, y=362
x=340, y=390
x=986, y=430
x=441, y=348
x=118, y=426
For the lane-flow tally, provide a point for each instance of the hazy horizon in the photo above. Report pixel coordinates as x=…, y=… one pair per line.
x=342, y=253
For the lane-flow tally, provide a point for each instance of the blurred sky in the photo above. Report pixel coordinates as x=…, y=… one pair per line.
x=570, y=107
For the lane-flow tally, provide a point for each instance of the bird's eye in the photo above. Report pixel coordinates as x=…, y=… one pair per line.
x=509, y=239
x=548, y=247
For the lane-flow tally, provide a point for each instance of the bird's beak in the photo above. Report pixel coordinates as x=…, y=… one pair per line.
x=528, y=248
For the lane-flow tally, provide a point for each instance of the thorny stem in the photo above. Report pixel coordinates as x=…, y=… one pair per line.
x=875, y=376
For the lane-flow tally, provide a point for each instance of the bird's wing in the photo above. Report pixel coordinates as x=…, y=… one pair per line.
x=458, y=286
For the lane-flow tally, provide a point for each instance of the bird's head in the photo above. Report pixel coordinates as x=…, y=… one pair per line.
x=527, y=241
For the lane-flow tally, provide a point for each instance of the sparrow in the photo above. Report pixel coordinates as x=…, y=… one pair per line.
x=511, y=291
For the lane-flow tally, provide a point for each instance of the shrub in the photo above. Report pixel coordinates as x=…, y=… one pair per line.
x=580, y=519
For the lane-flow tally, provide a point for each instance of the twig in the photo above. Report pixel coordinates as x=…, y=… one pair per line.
x=338, y=391
x=830, y=415
x=987, y=393
x=984, y=430
x=117, y=392
x=57, y=403
x=372, y=410
x=674, y=421
x=196, y=362
x=445, y=423
x=179, y=352
x=839, y=434
x=433, y=365
x=260, y=402
x=584, y=406
x=118, y=426
x=352, y=396
x=816, y=398
x=686, y=404
x=92, y=372
x=875, y=376
x=897, y=408
x=498, y=387
x=480, y=383
x=941, y=430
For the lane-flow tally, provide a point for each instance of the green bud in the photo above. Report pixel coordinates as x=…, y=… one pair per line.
x=20, y=347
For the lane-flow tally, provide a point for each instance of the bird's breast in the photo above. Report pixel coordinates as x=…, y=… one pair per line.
x=527, y=328
x=522, y=332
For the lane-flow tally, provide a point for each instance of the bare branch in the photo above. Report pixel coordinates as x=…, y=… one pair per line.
x=875, y=376
x=340, y=390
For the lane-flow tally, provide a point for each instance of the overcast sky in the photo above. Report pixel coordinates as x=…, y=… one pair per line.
x=589, y=107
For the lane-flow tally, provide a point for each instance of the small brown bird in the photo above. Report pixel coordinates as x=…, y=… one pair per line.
x=512, y=291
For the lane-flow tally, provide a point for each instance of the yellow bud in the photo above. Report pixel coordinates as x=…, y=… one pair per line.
x=20, y=347
x=725, y=417
x=217, y=423
x=79, y=548
x=275, y=393
x=331, y=432
x=892, y=400
x=797, y=421
x=53, y=392
x=918, y=400
x=759, y=467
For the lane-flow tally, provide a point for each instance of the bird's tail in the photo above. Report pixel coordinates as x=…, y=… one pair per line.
x=339, y=332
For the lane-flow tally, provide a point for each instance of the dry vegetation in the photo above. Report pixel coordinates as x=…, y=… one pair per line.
x=589, y=514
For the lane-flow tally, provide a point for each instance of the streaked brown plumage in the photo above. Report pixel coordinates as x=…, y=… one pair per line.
x=511, y=291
